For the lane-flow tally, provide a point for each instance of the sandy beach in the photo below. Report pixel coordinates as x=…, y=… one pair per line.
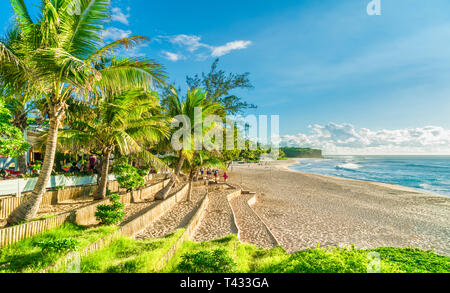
x=303, y=210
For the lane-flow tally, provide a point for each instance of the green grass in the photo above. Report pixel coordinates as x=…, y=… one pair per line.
x=126, y=255
x=251, y=259
x=25, y=257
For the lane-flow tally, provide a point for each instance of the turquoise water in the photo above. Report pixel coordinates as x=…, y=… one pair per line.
x=428, y=174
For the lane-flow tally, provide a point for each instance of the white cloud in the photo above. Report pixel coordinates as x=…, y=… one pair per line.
x=114, y=33
x=231, y=46
x=346, y=139
x=193, y=44
x=119, y=16
x=172, y=56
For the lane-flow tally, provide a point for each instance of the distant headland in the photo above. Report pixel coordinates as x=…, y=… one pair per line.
x=302, y=153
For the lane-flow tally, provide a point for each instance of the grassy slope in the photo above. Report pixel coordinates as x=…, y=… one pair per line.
x=251, y=259
x=130, y=256
x=26, y=257
x=126, y=255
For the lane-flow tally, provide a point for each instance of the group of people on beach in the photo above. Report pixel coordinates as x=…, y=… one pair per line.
x=215, y=173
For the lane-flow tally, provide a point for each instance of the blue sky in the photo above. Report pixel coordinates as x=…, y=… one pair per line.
x=332, y=72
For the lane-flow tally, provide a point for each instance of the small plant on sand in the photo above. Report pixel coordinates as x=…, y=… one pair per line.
x=111, y=214
x=217, y=261
x=58, y=245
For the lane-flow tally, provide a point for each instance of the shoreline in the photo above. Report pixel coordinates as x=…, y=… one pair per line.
x=303, y=209
x=293, y=162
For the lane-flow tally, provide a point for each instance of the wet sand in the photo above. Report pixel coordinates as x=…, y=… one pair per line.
x=303, y=210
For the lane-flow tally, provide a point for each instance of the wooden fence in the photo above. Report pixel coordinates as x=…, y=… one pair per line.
x=86, y=216
x=14, y=234
x=9, y=204
x=81, y=216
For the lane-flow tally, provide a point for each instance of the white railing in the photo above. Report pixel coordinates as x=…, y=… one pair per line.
x=19, y=186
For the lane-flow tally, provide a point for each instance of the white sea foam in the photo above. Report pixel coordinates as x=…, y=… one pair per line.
x=348, y=166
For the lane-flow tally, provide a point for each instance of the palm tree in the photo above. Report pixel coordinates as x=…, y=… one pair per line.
x=195, y=98
x=121, y=123
x=176, y=108
x=61, y=51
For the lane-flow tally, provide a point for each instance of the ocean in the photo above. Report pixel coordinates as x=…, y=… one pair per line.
x=426, y=174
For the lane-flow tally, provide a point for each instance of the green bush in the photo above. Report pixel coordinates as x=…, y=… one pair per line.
x=217, y=261
x=129, y=177
x=58, y=245
x=144, y=171
x=111, y=214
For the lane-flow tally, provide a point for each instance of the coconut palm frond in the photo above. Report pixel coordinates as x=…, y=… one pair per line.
x=124, y=43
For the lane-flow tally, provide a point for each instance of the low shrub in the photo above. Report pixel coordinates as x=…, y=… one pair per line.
x=129, y=177
x=58, y=245
x=111, y=214
x=217, y=261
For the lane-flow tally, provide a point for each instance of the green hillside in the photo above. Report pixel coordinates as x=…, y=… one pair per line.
x=302, y=153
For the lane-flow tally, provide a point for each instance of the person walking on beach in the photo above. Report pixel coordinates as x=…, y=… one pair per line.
x=216, y=175
x=225, y=177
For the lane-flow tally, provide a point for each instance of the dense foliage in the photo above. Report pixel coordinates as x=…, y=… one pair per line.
x=111, y=214
x=58, y=245
x=302, y=152
x=129, y=177
x=27, y=257
x=209, y=262
x=12, y=142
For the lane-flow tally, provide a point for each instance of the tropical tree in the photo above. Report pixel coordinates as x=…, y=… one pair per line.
x=179, y=110
x=12, y=143
x=184, y=112
x=16, y=86
x=119, y=124
x=60, y=51
x=219, y=86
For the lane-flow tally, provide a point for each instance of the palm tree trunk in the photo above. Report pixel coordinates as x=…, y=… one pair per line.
x=22, y=163
x=191, y=182
x=28, y=210
x=103, y=185
x=20, y=121
x=180, y=164
x=164, y=193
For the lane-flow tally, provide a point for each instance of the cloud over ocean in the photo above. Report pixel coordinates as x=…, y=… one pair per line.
x=345, y=138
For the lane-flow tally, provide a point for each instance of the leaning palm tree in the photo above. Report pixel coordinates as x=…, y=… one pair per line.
x=185, y=112
x=118, y=124
x=195, y=98
x=62, y=49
